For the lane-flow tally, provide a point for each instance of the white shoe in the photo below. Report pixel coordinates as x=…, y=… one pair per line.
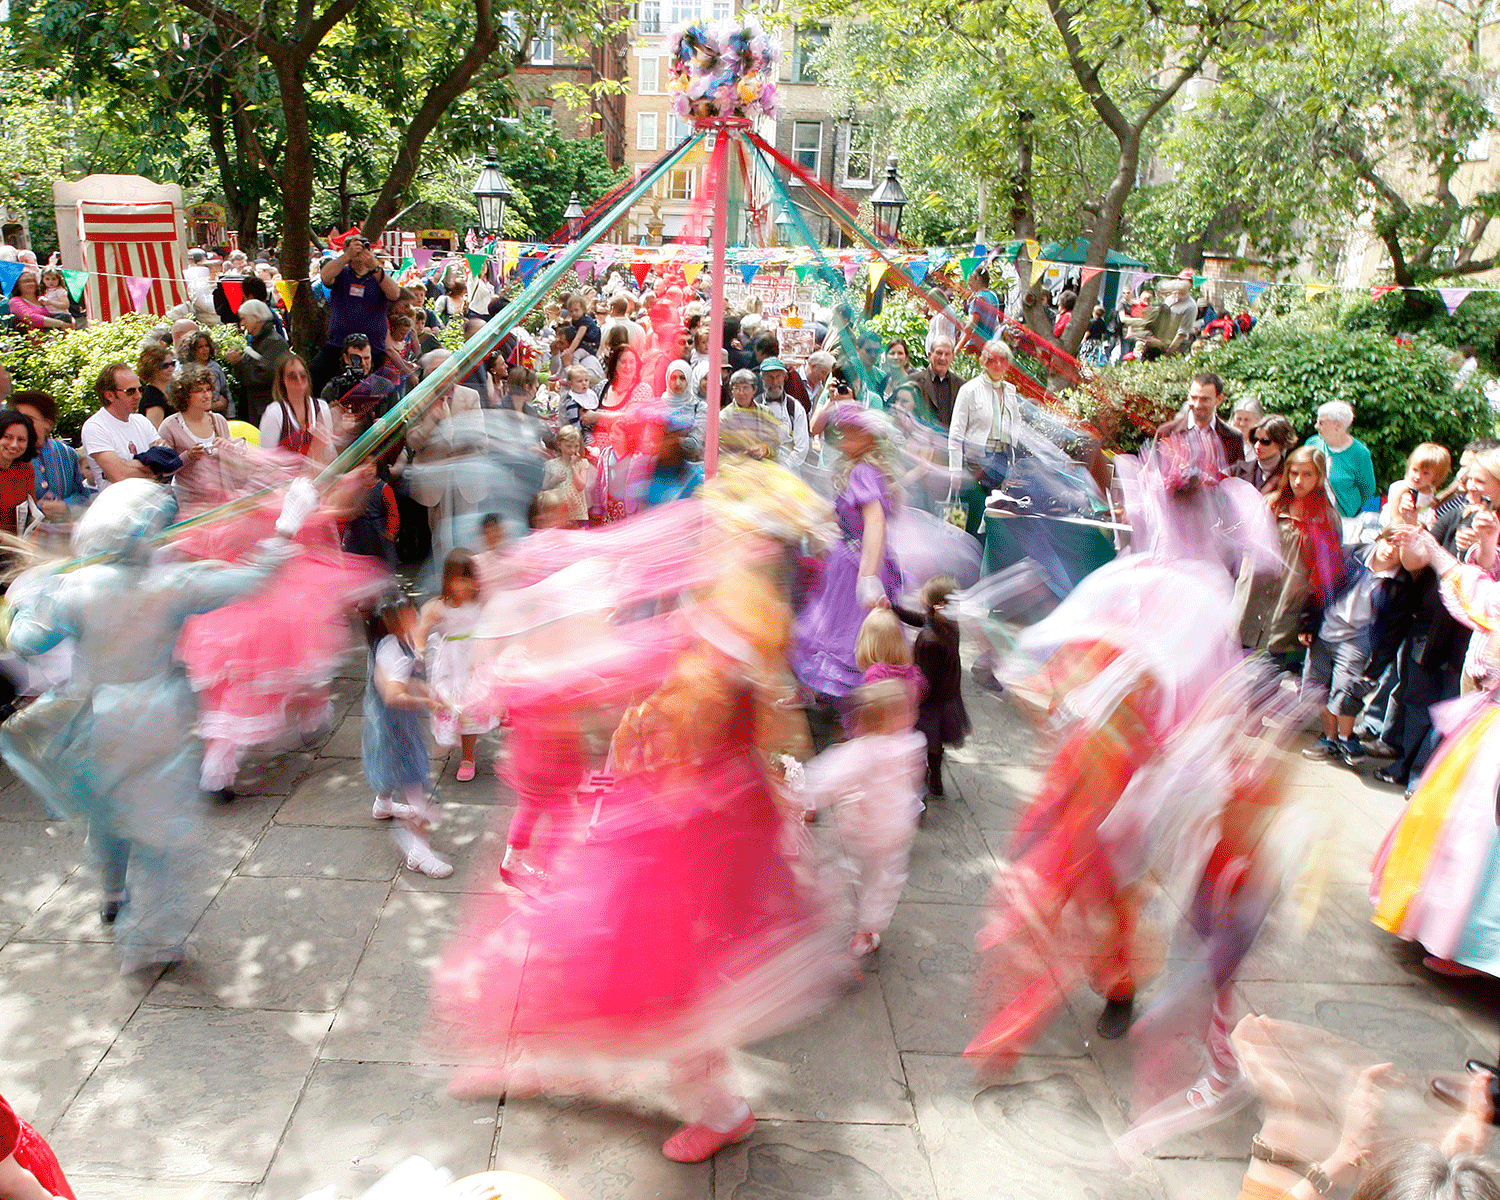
x=425, y=812
x=425, y=860
x=387, y=807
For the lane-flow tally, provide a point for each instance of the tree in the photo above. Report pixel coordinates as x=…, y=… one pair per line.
x=279, y=79
x=1382, y=106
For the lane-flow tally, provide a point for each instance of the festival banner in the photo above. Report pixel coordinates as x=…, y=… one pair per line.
x=140, y=291
x=476, y=264
x=1453, y=297
x=76, y=281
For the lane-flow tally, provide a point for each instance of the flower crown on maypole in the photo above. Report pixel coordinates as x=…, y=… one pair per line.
x=723, y=69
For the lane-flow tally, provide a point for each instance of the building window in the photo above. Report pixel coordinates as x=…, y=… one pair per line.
x=859, y=153
x=809, y=39
x=682, y=11
x=650, y=16
x=677, y=129
x=645, y=131
x=648, y=76
x=678, y=185
x=543, y=47
x=543, y=110
x=807, y=146
x=723, y=9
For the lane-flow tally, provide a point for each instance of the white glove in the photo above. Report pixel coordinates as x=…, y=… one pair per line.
x=868, y=590
x=300, y=503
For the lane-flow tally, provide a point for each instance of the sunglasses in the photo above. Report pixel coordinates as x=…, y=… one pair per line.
x=1260, y=441
x=135, y=391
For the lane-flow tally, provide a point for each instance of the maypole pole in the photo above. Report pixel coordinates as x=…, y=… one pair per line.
x=719, y=129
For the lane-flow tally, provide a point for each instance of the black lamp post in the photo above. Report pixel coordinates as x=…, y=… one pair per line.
x=491, y=194
x=888, y=199
x=573, y=216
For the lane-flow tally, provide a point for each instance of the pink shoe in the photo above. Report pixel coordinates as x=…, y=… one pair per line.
x=694, y=1143
x=465, y=771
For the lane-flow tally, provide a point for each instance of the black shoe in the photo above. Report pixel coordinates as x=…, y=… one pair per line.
x=223, y=796
x=1116, y=1018
x=1386, y=775
x=1454, y=1090
x=110, y=911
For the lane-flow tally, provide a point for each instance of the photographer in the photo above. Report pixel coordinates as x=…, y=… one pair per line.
x=360, y=294
x=358, y=360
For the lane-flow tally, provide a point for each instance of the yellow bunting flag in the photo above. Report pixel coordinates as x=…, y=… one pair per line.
x=287, y=290
x=690, y=272
x=1033, y=248
x=1314, y=290
x=877, y=273
x=1038, y=269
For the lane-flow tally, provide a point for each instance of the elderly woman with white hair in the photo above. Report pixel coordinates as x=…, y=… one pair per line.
x=1351, y=472
x=255, y=367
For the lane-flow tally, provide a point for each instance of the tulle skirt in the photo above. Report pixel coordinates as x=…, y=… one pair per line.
x=687, y=921
x=1436, y=879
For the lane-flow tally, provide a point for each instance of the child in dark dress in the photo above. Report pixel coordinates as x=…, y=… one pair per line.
x=941, y=716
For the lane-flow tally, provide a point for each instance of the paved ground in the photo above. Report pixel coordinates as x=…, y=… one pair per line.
x=282, y=1059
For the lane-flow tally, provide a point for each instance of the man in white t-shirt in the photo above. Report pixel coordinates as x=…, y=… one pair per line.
x=115, y=434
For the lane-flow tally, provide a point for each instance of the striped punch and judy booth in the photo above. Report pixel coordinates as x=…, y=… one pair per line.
x=128, y=233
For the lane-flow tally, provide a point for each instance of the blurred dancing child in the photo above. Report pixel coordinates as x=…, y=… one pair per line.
x=881, y=653
x=393, y=747
x=941, y=716
x=446, y=631
x=872, y=782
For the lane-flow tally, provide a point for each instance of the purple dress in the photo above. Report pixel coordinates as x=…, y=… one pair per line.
x=826, y=630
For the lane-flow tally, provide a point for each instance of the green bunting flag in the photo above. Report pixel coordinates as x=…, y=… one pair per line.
x=76, y=282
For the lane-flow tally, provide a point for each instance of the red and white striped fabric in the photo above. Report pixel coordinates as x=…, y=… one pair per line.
x=140, y=240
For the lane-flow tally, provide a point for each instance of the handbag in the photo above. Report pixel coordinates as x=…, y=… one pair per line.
x=954, y=512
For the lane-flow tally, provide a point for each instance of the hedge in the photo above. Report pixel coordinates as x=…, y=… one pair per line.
x=1401, y=394
x=64, y=363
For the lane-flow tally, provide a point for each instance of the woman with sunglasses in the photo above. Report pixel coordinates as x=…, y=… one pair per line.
x=1271, y=440
x=156, y=367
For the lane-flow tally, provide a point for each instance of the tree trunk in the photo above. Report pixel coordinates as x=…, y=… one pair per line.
x=296, y=208
x=1106, y=230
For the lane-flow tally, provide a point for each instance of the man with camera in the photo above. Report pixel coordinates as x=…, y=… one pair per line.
x=357, y=363
x=360, y=294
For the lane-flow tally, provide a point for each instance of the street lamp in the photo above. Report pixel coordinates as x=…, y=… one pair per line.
x=491, y=195
x=785, y=225
x=573, y=216
x=888, y=200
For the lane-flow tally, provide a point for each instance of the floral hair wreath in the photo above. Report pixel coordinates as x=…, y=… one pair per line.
x=723, y=69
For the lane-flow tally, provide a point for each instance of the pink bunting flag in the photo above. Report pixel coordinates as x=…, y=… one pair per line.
x=585, y=269
x=1088, y=273
x=1453, y=297
x=422, y=256
x=851, y=269
x=140, y=291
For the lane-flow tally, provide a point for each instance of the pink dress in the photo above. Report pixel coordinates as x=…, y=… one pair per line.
x=685, y=922
x=261, y=666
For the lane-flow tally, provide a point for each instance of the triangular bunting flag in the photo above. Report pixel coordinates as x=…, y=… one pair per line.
x=476, y=264
x=1088, y=273
x=1453, y=297
x=640, y=270
x=76, y=281
x=1314, y=290
x=1253, y=289
x=234, y=293
x=528, y=265
x=967, y=265
x=1199, y=280
x=801, y=270
x=877, y=273
x=9, y=273
x=917, y=269
x=691, y=271
x=287, y=290
x=422, y=255
x=1038, y=269
x=748, y=271
x=584, y=269
x=1033, y=247
x=851, y=269
x=979, y=250
x=139, y=289
x=1382, y=289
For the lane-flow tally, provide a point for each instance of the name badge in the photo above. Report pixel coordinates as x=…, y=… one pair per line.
x=356, y=290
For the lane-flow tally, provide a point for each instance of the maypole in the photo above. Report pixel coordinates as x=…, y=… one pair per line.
x=718, y=190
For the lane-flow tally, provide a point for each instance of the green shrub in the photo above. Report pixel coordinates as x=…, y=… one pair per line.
x=64, y=363
x=1476, y=322
x=1401, y=395
x=1128, y=401
x=902, y=317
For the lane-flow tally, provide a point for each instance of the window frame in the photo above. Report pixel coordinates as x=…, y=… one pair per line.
x=640, y=75
x=641, y=119
x=868, y=178
x=685, y=175
x=800, y=50
x=816, y=170
x=544, y=38
x=648, y=16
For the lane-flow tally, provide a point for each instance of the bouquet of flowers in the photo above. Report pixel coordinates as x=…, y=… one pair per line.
x=723, y=69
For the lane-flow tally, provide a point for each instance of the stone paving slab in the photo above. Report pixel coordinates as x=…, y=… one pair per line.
x=188, y=1095
x=287, y=851
x=355, y=1121
x=794, y=1160
x=276, y=944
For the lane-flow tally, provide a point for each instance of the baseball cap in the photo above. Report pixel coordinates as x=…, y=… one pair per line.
x=772, y=364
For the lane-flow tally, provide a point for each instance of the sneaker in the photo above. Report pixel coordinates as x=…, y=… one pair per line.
x=1386, y=775
x=1325, y=749
x=1351, y=752
x=1376, y=748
